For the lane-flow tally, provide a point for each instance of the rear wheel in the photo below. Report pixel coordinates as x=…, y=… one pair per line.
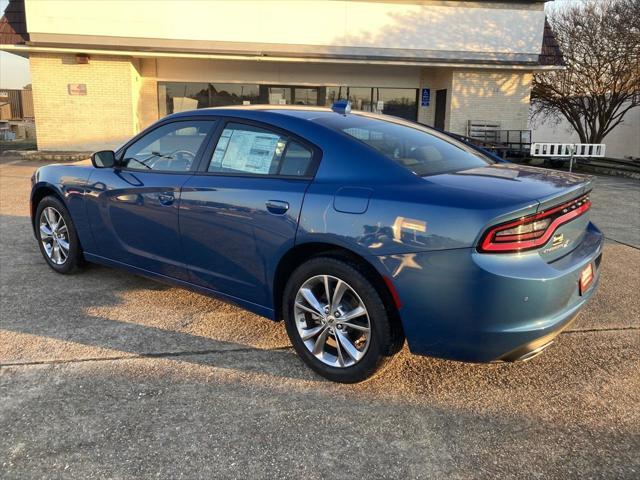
x=336, y=320
x=57, y=236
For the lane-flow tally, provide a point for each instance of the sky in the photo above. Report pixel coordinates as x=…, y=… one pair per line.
x=14, y=70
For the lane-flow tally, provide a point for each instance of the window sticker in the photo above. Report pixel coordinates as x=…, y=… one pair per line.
x=246, y=151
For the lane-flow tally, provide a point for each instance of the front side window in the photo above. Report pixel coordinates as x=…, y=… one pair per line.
x=423, y=152
x=170, y=148
x=246, y=149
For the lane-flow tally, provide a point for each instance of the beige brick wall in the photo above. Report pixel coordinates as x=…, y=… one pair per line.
x=495, y=95
x=103, y=118
x=147, y=108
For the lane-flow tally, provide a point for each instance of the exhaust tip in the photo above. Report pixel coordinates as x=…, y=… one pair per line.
x=524, y=356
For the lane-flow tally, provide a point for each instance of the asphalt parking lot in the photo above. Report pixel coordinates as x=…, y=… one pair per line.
x=109, y=375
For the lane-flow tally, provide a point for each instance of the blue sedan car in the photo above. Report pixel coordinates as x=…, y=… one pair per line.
x=359, y=230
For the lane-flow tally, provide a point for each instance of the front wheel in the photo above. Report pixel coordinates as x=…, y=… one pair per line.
x=57, y=236
x=336, y=320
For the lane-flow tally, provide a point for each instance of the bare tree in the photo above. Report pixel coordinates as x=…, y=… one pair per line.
x=600, y=43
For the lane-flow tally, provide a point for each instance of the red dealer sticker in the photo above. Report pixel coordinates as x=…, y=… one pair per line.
x=586, y=279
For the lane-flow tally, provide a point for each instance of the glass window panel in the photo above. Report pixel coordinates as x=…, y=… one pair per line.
x=170, y=148
x=296, y=161
x=247, y=149
x=333, y=94
x=399, y=102
x=360, y=98
x=180, y=96
x=419, y=150
x=257, y=151
x=305, y=96
x=279, y=96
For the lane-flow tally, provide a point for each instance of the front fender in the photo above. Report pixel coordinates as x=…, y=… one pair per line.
x=68, y=183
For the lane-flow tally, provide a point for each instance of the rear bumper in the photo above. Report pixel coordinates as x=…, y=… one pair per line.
x=463, y=305
x=539, y=340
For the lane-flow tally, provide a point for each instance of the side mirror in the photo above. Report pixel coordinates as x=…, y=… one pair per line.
x=104, y=159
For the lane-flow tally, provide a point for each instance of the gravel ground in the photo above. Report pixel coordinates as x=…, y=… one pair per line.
x=108, y=375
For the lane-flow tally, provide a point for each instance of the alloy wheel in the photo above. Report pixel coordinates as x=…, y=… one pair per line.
x=332, y=321
x=54, y=235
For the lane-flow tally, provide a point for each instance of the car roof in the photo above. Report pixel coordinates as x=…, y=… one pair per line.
x=302, y=112
x=313, y=114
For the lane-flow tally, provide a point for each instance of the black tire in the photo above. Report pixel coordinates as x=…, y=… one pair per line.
x=73, y=260
x=383, y=333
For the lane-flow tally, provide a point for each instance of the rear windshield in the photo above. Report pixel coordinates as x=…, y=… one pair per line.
x=419, y=150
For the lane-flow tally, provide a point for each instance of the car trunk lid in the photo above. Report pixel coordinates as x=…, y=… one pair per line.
x=518, y=182
x=521, y=184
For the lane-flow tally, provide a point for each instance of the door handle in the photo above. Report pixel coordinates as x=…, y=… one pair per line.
x=277, y=207
x=166, y=199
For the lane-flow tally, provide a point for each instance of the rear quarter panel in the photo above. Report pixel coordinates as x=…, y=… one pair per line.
x=403, y=218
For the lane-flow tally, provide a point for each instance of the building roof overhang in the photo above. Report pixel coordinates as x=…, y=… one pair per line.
x=145, y=47
x=26, y=50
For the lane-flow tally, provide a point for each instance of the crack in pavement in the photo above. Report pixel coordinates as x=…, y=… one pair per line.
x=607, y=329
x=622, y=243
x=187, y=353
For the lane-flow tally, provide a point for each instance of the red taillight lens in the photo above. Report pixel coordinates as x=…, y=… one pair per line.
x=532, y=231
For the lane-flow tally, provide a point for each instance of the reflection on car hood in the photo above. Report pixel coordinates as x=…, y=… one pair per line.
x=84, y=163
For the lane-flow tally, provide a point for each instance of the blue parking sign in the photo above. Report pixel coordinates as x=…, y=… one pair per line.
x=426, y=97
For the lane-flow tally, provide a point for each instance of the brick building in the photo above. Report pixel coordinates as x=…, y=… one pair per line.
x=101, y=71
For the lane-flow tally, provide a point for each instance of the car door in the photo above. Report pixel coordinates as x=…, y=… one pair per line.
x=133, y=208
x=240, y=212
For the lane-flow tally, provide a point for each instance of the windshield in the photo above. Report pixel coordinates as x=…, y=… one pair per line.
x=419, y=150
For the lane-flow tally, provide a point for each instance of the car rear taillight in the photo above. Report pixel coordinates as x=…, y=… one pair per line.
x=531, y=231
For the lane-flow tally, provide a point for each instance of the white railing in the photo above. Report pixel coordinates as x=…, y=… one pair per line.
x=568, y=150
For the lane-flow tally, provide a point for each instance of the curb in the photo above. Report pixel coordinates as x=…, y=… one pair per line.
x=614, y=172
x=628, y=171
x=47, y=156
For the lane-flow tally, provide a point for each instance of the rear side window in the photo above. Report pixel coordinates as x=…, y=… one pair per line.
x=296, y=161
x=246, y=149
x=417, y=149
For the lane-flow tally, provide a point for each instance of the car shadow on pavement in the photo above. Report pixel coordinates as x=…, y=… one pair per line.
x=113, y=313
